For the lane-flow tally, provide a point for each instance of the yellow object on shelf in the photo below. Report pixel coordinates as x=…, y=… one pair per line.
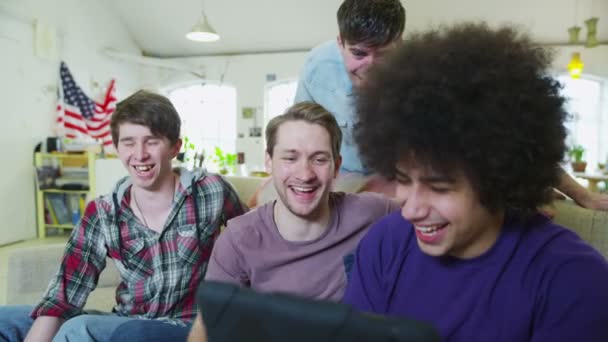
x=575, y=67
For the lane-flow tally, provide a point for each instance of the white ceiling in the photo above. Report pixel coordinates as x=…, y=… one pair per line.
x=249, y=26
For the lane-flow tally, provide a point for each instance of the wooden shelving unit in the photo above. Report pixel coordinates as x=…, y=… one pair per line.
x=58, y=165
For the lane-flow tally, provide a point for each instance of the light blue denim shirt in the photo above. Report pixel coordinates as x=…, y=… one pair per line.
x=324, y=80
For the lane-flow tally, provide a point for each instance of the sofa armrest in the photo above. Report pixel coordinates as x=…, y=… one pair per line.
x=246, y=187
x=30, y=270
x=590, y=225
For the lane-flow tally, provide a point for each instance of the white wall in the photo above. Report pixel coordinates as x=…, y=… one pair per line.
x=28, y=87
x=245, y=72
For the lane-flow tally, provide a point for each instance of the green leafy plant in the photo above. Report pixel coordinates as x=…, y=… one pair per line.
x=225, y=162
x=576, y=153
x=187, y=146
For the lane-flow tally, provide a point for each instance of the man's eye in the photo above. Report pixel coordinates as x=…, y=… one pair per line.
x=440, y=189
x=321, y=160
x=289, y=158
x=402, y=181
x=153, y=142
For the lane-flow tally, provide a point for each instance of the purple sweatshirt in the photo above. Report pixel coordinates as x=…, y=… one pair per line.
x=539, y=282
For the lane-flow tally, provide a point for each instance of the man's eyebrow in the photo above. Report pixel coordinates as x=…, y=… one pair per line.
x=146, y=138
x=438, y=179
x=428, y=179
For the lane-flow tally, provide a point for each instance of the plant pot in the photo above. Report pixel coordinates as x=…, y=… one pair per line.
x=579, y=166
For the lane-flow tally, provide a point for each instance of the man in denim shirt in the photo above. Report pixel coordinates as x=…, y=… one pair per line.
x=334, y=69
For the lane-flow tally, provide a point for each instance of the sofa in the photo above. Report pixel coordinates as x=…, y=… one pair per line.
x=29, y=269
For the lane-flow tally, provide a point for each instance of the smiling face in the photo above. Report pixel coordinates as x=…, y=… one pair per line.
x=303, y=168
x=447, y=215
x=358, y=58
x=147, y=157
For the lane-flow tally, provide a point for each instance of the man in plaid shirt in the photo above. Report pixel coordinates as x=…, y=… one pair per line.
x=158, y=226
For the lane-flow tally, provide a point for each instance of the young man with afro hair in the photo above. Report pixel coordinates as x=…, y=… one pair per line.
x=471, y=126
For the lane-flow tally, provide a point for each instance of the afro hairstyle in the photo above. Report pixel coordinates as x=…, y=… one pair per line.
x=473, y=99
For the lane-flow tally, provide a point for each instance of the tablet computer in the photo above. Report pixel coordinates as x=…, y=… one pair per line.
x=232, y=314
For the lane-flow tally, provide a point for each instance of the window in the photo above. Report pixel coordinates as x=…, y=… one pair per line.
x=278, y=96
x=208, y=113
x=586, y=103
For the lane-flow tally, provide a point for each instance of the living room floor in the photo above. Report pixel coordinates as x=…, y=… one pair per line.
x=4, y=252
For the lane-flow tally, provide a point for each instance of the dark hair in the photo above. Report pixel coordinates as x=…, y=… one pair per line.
x=371, y=22
x=147, y=109
x=473, y=99
x=308, y=112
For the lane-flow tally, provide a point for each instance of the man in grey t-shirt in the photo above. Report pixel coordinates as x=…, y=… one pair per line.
x=301, y=243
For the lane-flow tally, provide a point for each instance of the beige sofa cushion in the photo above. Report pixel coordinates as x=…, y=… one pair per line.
x=245, y=187
x=590, y=225
x=32, y=268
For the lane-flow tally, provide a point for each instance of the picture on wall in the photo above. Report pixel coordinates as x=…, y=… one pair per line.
x=248, y=112
x=255, y=131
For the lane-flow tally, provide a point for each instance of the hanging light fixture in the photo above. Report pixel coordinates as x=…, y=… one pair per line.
x=202, y=30
x=591, y=24
x=573, y=32
x=575, y=67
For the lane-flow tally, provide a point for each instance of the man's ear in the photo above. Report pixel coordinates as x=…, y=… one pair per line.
x=268, y=162
x=176, y=148
x=337, y=164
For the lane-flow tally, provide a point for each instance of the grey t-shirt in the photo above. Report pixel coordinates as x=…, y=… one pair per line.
x=251, y=252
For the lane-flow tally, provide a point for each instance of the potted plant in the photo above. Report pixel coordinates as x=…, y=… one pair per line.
x=576, y=153
x=185, y=155
x=226, y=162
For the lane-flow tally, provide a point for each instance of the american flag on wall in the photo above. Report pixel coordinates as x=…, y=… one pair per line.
x=78, y=116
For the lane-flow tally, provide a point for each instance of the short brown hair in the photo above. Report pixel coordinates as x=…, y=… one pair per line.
x=308, y=112
x=371, y=22
x=150, y=110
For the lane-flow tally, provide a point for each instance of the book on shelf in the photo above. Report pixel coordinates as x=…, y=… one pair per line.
x=58, y=206
x=64, y=208
x=51, y=218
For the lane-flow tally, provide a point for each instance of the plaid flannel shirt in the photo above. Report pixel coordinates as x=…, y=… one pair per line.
x=159, y=271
